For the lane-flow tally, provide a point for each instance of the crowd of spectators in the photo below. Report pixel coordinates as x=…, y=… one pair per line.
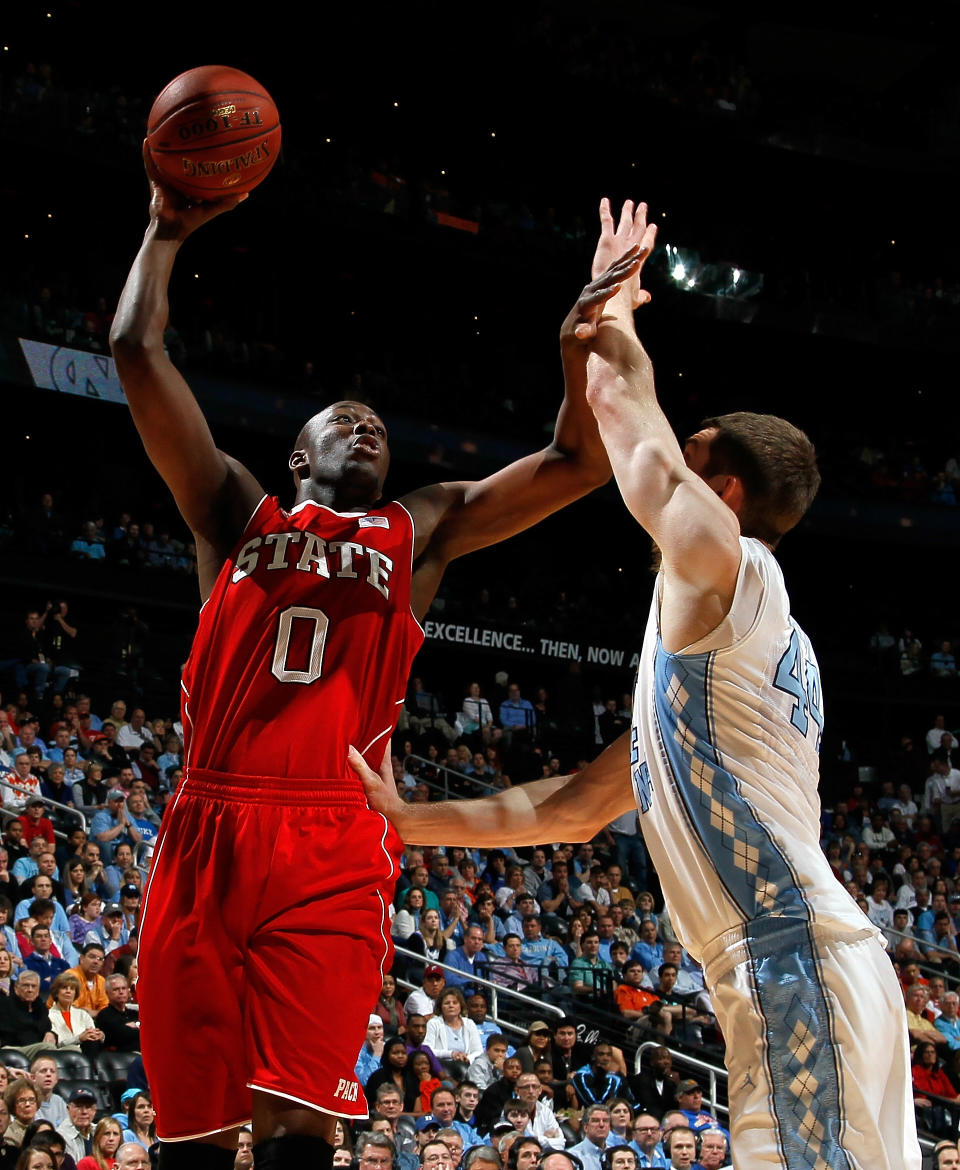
x=580, y=929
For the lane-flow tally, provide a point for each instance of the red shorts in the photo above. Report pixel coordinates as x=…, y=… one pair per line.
x=263, y=943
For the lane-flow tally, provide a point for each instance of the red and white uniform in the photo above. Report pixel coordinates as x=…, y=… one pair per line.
x=272, y=877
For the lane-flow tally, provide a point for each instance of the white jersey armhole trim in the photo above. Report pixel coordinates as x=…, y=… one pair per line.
x=413, y=541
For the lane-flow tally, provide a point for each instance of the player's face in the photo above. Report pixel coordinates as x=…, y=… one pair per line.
x=346, y=435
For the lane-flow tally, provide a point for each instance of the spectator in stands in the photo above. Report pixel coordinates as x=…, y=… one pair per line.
x=948, y=1022
x=35, y=822
x=107, y=1139
x=78, y=1128
x=112, y=825
x=432, y=939
x=394, y=1072
x=680, y=1145
x=22, y=1101
x=141, y=1120
x=451, y=1034
x=25, y=779
x=488, y=1067
x=649, y=950
x=517, y=715
x=714, y=1148
x=415, y=1036
x=93, y=992
x=595, y=1127
x=541, y=1119
x=929, y=1079
x=24, y=1021
x=635, y=1003
x=118, y=1022
x=597, y=1083
x=546, y=954
x=942, y=662
x=476, y=718
x=654, y=1087
x=73, y=1026
x=484, y=915
x=422, y=712
x=583, y=975
x=371, y=1051
x=646, y=1142
x=507, y=967
x=41, y=959
x=34, y=653
x=690, y=1104
x=45, y=1074
x=468, y=959
x=946, y=1156
x=939, y=737
x=422, y=1001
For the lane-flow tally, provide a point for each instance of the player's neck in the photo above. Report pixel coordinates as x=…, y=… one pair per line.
x=340, y=497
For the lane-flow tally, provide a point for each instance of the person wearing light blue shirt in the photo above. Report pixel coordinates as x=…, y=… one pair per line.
x=947, y=1022
x=542, y=952
x=595, y=1126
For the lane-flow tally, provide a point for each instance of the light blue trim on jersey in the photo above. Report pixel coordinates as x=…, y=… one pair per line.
x=801, y=1054
x=753, y=869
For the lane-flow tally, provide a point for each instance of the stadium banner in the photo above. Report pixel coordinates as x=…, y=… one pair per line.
x=72, y=371
x=530, y=642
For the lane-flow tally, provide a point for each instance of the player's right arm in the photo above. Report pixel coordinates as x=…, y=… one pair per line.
x=693, y=523
x=214, y=493
x=563, y=808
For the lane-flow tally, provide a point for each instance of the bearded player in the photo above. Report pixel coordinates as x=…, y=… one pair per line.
x=723, y=759
x=309, y=625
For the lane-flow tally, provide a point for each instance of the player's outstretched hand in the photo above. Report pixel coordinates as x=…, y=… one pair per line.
x=381, y=788
x=174, y=214
x=581, y=321
x=617, y=238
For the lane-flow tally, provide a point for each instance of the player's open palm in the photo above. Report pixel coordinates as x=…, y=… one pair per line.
x=617, y=237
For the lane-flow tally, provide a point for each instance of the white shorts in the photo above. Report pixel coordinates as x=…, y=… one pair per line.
x=817, y=1049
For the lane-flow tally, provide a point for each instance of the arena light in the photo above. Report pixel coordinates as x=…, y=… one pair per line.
x=691, y=274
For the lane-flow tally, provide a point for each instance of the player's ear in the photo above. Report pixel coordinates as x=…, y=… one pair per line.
x=730, y=490
x=299, y=463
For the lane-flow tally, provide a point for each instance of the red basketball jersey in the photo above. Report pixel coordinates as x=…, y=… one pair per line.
x=305, y=644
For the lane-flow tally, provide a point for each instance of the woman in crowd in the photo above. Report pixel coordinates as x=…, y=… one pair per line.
x=141, y=1119
x=431, y=940
x=72, y=1026
x=426, y=1081
x=407, y=918
x=6, y=972
x=395, y=1070
x=22, y=1102
x=35, y=1158
x=87, y=917
x=537, y=1047
x=621, y=1121
x=9, y=934
x=389, y=1008
x=74, y=880
x=450, y=1033
x=929, y=1079
x=107, y=1138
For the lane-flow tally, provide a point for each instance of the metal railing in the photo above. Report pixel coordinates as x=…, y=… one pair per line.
x=482, y=786
x=495, y=991
x=28, y=793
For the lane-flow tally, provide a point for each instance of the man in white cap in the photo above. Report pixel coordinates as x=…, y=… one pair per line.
x=369, y=1059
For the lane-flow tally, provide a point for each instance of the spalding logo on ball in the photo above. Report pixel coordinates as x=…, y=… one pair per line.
x=213, y=131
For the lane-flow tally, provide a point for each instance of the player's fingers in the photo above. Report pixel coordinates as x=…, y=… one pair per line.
x=371, y=780
x=626, y=217
x=640, y=219
x=606, y=216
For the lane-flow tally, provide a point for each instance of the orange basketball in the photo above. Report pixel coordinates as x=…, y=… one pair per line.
x=213, y=131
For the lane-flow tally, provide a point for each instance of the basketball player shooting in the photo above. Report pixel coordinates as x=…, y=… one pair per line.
x=722, y=763
x=309, y=625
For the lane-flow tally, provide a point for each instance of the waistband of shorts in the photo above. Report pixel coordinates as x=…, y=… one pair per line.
x=275, y=791
x=740, y=943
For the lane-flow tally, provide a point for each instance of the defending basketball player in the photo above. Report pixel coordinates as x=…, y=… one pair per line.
x=309, y=625
x=723, y=759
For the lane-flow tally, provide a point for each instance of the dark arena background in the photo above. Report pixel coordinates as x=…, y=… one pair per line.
x=429, y=223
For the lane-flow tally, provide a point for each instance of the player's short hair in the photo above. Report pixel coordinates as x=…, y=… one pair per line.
x=776, y=463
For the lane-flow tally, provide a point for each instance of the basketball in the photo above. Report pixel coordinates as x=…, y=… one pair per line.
x=213, y=131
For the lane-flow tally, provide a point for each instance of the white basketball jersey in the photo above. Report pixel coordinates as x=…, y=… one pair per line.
x=724, y=764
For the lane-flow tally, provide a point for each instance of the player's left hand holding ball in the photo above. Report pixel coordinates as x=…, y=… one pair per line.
x=174, y=215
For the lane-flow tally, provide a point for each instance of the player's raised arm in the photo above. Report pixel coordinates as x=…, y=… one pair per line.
x=691, y=519
x=459, y=517
x=564, y=808
x=215, y=494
